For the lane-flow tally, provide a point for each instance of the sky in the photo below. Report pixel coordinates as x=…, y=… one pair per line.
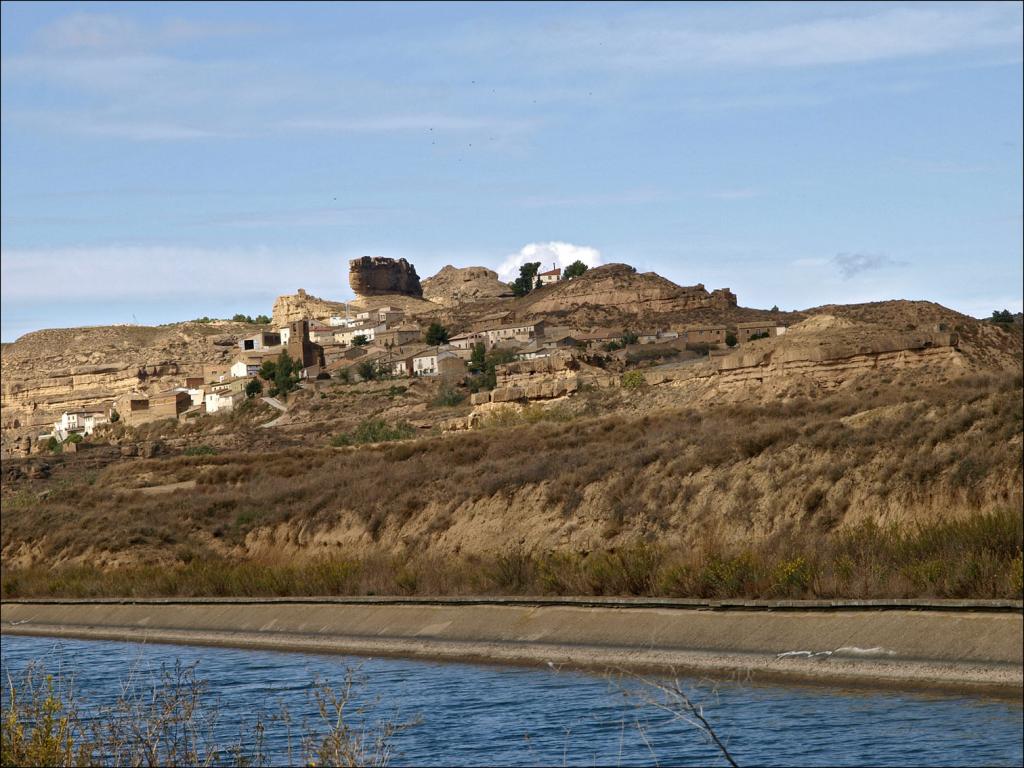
x=166, y=161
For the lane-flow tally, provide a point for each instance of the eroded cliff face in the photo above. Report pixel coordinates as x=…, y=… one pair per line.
x=620, y=288
x=379, y=276
x=48, y=372
x=302, y=306
x=453, y=286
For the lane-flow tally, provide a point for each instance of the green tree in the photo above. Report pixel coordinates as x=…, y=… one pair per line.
x=262, y=320
x=283, y=373
x=1002, y=317
x=730, y=339
x=114, y=417
x=478, y=358
x=240, y=318
x=436, y=334
x=629, y=338
x=367, y=370
x=253, y=388
x=360, y=340
x=527, y=278
x=268, y=370
x=575, y=269
x=775, y=308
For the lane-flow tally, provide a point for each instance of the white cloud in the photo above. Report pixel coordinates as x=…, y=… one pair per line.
x=660, y=40
x=145, y=272
x=554, y=252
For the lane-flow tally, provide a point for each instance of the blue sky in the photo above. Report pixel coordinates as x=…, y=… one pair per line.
x=164, y=161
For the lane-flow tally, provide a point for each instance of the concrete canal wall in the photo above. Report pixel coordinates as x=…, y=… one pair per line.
x=945, y=644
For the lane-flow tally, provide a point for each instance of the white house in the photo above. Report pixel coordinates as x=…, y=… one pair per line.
x=551, y=276
x=244, y=369
x=369, y=330
x=224, y=400
x=425, y=363
x=286, y=333
x=83, y=421
x=519, y=332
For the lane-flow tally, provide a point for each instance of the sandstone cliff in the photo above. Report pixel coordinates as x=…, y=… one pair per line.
x=302, y=306
x=48, y=372
x=605, y=293
x=453, y=286
x=377, y=276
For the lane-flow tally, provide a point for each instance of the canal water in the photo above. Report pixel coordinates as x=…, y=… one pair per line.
x=470, y=715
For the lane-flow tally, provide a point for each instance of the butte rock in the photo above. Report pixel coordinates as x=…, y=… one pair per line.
x=378, y=276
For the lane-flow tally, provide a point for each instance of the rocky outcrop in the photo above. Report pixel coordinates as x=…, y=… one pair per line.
x=619, y=287
x=453, y=286
x=302, y=306
x=820, y=354
x=378, y=276
x=48, y=372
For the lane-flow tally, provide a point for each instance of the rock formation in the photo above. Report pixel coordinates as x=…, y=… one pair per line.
x=302, y=306
x=620, y=288
x=378, y=276
x=453, y=286
x=48, y=372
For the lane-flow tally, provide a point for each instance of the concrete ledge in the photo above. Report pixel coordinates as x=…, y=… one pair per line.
x=907, y=648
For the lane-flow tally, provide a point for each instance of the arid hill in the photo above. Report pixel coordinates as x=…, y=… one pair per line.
x=452, y=286
x=617, y=294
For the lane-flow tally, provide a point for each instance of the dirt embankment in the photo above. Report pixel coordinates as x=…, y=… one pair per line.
x=903, y=648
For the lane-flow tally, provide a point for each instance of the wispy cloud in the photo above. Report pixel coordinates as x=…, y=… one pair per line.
x=852, y=264
x=98, y=32
x=304, y=217
x=742, y=193
x=144, y=272
x=408, y=122
x=660, y=40
x=626, y=197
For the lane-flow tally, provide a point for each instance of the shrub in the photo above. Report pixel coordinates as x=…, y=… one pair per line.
x=253, y=388
x=447, y=397
x=374, y=431
x=633, y=380
x=730, y=339
x=200, y=450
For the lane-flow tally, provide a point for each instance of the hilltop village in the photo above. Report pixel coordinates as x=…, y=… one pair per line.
x=459, y=337
x=460, y=417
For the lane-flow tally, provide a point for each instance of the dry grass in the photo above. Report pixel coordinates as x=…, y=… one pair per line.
x=931, y=448
x=978, y=557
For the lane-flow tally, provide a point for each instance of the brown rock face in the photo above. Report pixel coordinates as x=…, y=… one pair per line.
x=620, y=286
x=452, y=286
x=303, y=306
x=378, y=276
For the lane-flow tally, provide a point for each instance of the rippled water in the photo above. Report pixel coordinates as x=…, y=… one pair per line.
x=507, y=715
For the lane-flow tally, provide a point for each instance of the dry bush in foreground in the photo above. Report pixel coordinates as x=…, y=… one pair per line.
x=171, y=721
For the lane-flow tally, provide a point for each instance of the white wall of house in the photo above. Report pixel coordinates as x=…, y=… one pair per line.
x=79, y=422
x=286, y=333
x=425, y=365
x=242, y=369
x=222, y=401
